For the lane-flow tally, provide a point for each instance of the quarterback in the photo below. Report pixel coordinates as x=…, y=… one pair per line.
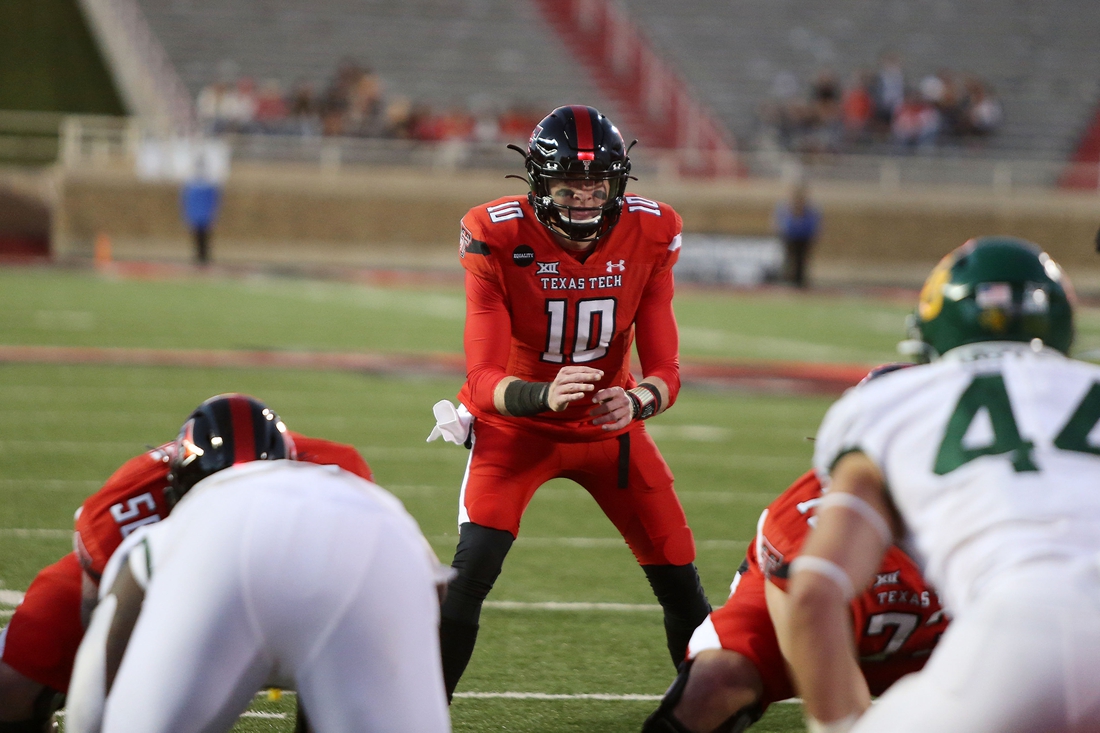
x=559, y=284
x=39, y=643
x=985, y=463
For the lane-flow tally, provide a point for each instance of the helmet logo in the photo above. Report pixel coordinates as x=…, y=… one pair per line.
x=931, y=295
x=613, y=266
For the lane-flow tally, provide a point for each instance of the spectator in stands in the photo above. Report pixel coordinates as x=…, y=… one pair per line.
x=271, y=111
x=398, y=118
x=364, y=105
x=857, y=107
x=983, y=113
x=305, y=110
x=238, y=108
x=916, y=124
x=517, y=121
x=208, y=106
x=948, y=102
x=824, y=125
x=797, y=222
x=889, y=90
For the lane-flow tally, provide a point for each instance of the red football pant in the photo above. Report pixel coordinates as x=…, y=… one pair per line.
x=508, y=464
x=41, y=640
x=744, y=626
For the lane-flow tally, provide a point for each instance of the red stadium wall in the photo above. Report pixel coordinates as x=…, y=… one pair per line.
x=1084, y=168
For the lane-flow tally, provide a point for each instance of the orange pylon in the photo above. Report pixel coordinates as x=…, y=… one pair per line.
x=102, y=250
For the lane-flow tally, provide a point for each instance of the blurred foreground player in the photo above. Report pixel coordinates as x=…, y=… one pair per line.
x=40, y=641
x=267, y=572
x=735, y=668
x=993, y=465
x=558, y=284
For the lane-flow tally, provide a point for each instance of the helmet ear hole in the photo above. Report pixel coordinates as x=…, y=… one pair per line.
x=577, y=143
x=221, y=432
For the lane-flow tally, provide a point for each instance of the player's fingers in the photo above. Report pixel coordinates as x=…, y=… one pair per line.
x=606, y=395
x=579, y=374
x=570, y=387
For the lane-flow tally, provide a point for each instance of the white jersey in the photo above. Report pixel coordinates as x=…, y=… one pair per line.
x=277, y=573
x=991, y=455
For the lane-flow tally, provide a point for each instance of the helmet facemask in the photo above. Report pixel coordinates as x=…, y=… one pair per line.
x=587, y=214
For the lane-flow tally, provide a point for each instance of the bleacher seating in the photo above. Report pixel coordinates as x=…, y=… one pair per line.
x=441, y=52
x=1040, y=59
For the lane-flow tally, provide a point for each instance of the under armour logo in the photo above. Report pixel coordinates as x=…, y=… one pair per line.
x=547, y=268
x=612, y=266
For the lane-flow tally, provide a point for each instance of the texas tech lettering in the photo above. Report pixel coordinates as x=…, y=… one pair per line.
x=581, y=283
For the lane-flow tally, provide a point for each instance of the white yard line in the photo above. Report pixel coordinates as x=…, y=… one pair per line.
x=39, y=533
x=571, y=606
x=548, y=696
x=596, y=542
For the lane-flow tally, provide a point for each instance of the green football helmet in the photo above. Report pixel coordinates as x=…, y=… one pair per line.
x=995, y=289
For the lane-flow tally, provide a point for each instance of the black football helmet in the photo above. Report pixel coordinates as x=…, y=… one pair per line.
x=579, y=143
x=223, y=431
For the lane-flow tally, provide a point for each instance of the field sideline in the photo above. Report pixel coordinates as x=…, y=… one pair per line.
x=94, y=367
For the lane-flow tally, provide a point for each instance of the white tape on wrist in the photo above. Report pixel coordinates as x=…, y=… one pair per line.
x=863, y=509
x=813, y=725
x=826, y=568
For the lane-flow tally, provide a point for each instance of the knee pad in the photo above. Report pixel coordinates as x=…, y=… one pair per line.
x=478, y=559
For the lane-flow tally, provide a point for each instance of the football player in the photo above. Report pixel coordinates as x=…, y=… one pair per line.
x=986, y=461
x=40, y=641
x=735, y=668
x=559, y=283
x=267, y=572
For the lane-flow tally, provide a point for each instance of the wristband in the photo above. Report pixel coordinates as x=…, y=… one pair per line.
x=863, y=509
x=522, y=399
x=827, y=569
x=645, y=401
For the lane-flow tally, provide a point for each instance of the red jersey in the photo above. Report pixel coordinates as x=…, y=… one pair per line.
x=532, y=307
x=134, y=496
x=897, y=621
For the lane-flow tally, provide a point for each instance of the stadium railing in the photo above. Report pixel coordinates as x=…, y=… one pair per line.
x=145, y=76
x=89, y=141
x=28, y=138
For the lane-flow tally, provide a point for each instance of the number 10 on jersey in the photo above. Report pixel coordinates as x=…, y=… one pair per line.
x=594, y=327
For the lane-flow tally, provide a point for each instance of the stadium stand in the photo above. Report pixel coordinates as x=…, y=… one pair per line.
x=439, y=52
x=1041, y=62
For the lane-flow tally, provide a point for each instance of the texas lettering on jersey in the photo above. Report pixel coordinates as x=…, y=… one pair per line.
x=134, y=496
x=556, y=310
x=897, y=620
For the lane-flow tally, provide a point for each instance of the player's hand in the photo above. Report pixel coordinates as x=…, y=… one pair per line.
x=571, y=384
x=613, y=409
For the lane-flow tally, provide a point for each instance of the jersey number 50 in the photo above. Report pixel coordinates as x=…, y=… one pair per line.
x=988, y=392
x=594, y=324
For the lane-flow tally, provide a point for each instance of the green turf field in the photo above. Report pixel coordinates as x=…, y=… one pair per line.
x=64, y=428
